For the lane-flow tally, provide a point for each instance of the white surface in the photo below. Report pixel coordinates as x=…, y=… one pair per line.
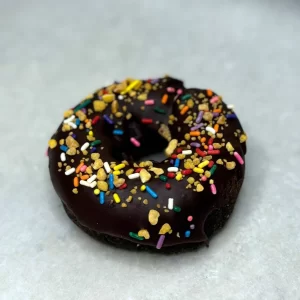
x=56, y=52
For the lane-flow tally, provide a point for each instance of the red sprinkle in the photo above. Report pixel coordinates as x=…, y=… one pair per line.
x=201, y=153
x=211, y=163
x=210, y=141
x=168, y=186
x=147, y=121
x=138, y=170
x=123, y=186
x=186, y=172
x=174, y=156
x=179, y=150
x=213, y=152
x=95, y=120
x=171, y=175
x=104, y=92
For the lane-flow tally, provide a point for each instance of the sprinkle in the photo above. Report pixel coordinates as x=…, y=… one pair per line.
x=197, y=127
x=210, y=141
x=192, y=226
x=159, y=110
x=82, y=105
x=69, y=119
x=184, y=110
x=209, y=93
x=160, y=241
x=177, y=162
x=93, y=184
x=214, y=99
x=217, y=110
x=147, y=121
x=168, y=186
x=149, y=102
x=230, y=106
x=177, y=209
x=203, y=164
x=76, y=182
x=96, y=192
x=138, y=170
x=85, y=183
x=172, y=169
x=135, y=84
x=95, y=120
x=203, y=139
x=213, y=169
x=135, y=142
x=119, y=167
x=64, y=148
x=123, y=186
x=151, y=192
x=96, y=143
x=79, y=167
x=164, y=99
x=70, y=171
x=186, y=172
x=84, y=177
x=163, y=178
x=187, y=234
x=143, y=188
x=197, y=145
x=200, y=116
x=215, y=114
x=111, y=181
x=116, y=198
x=74, y=126
x=198, y=170
x=187, y=152
x=186, y=97
x=83, y=168
x=170, y=89
x=171, y=175
x=108, y=119
x=91, y=133
x=213, y=189
x=102, y=197
x=63, y=156
x=210, y=129
x=92, y=178
x=134, y=176
x=84, y=146
x=178, y=177
x=107, y=167
x=179, y=91
x=216, y=127
x=136, y=236
x=118, y=132
x=195, y=133
x=190, y=218
x=238, y=158
x=77, y=122
x=211, y=163
x=231, y=116
x=213, y=152
x=199, y=152
x=117, y=172
x=170, y=203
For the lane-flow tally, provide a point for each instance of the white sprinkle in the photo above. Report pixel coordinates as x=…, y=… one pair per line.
x=187, y=152
x=230, y=106
x=63, y=156
x=69, y=119
x=134, y=176
x=93, y=184
x=84, y=146
x=70, y=171
x=210, y=129
x=170, y=203
x=120, y=97
x=73, y=125
x=92, y=178
x=85, y=183
x=107, y=167
x=172, y=169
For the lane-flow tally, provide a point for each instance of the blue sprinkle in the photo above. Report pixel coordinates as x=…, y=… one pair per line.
x=108, y=119
x=187, y=234
x=77, y=122
x=93, y=149
x=231, y=116
x=111, y=181
x=151, y=192
x=64, y=148
x=74, y=136
x=118, y=132
x=102, y=194
x=177, y=162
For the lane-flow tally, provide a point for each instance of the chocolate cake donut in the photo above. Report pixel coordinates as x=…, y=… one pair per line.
x=106, y=166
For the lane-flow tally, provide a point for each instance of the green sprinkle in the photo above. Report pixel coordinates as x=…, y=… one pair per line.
x=213, y=169
x=163, y=178
x=177, y=209
x=135, y=236
x=82, y=105
x=186, y=97
x=95, y=143
x=159, y=110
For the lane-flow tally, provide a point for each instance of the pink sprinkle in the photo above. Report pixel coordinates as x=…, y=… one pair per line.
x=83, y=168
x=179, y=91
x=170, y=89
x=210, y=147
x=190, y=218
x=203, y=178
x=213, y=189
x=160, y=241
x=214, y=99
x=238, y=158
x=135, y=142
x=46, y=153
x=149, y=102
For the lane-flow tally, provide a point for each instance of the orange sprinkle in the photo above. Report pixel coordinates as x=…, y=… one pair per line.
x=203, y=140
x=209, y=93
x=76, y=181
x=217, y=110
x=86, y=120
x=205, y=147
x=194, y=133
x=216, y=127
x=164, y=99
x=78, y=168
x=84, y=177
x=184, y=110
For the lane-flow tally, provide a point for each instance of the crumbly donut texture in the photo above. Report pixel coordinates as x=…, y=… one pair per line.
x=99, y=167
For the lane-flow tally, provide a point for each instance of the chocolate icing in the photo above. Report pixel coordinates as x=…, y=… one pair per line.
x=114, y=220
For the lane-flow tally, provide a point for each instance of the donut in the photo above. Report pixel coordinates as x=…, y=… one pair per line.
x=149, y=163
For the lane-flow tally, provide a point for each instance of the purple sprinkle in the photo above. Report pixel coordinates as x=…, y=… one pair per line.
x=171, y=161
x=93, y=149
x=74, y=136
x=108, y=119
x=196, y=127
x=192, y=226
x=83, y=110
x=155, y=80
x=160, y=241
x=216, y=114
x=200, y=115
x=197, y=145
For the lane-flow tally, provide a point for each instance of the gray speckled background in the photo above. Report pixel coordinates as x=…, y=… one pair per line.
x=55, y=52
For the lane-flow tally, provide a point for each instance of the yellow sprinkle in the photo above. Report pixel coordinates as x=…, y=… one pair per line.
x=135, y=84
x=143, y=188
x=117, y=172
x=198, y=170
x=116, y=198
x=108, y=98
x=203, y=164
x=178, y=176
x=52, y=143
x=119, y=167
x=96, y=191
x=91, y=133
